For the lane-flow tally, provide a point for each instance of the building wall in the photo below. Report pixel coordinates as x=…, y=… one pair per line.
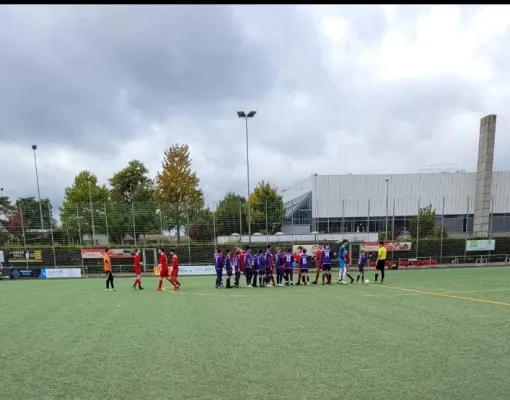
x=349, y=196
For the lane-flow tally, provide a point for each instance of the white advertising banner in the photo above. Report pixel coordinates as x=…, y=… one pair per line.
x=63, y=273
x=481, y=245
x=197, y=270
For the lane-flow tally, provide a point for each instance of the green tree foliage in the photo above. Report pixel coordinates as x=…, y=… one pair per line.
x=424, y=225
x=177, y=188
x=266, y=205
x=84, y=201
x=231, y=215
x=7, y=211
x=132, y=200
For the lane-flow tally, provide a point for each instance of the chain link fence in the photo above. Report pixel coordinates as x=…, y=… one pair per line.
x=34, y=233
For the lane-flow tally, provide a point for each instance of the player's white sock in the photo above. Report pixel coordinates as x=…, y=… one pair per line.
x=340, y=274
x=344, y=273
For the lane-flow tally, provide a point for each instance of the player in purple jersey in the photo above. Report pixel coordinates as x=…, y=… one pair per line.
x=268, y=262
x=254, y=270
x=304, y=262
x=237, y=269
x=278, y=261
x=326, y=260
x=362, y=261
x=288, y=261
x=248, y=266
x=261, y=269
x=218, y=266
x=229, y=268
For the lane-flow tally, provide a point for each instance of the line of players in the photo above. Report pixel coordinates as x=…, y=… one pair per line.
x=259, y=268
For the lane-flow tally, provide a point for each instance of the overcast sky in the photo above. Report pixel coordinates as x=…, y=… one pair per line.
x=338, y=89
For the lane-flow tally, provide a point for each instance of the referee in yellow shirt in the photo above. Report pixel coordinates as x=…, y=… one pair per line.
x=381, y=261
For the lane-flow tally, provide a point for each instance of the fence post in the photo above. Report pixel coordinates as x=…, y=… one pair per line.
x=79, y=232
x=368, y=221
x=343, y=214
x=134, y=223
x=267, y=227
x=467, y=220
x=106, y=222
x=23, y=231
x=214, y=227
x=418, y=229
x=92, y=217
x=393, y=229
x=241, y=221
x=292, y=220
x=189, y=237
x=441, y=232
x=52, y=239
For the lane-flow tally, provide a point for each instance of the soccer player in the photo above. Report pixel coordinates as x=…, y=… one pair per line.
x=174, y=272
x=289, y=267
x=342, y=264
x=268, y=263
x=218, y=265
x=304, y=262
x=347, y=266
x=381, y=262
x=248, y=266
x=326, y=258
x=229, y=268
x=108, y=270
x=261, y=269
x=279, y=267
x=164, y=270
x=362, y=260
x=237, y=269
x=318, y=258
x=297, y=260
x=137, y=266
x=254, y=269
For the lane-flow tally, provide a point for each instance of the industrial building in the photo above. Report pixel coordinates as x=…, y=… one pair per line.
x=467, y=203
x=360, y=203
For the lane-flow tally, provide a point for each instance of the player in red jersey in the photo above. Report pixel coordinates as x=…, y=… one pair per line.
x=318, y=259
x=164, y=272
x=137, y=266
x=241, y=260
x=174, y=272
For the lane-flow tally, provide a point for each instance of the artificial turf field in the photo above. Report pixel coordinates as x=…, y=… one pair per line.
x=428, y=334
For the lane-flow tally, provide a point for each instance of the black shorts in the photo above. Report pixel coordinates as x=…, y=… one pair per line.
x=380, y=265
x=326, y=267
x=361, y=268
x=229, y=273
x=262, y=272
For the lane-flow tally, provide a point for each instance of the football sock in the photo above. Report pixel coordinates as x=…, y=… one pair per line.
x=160, y=284
x=363, y=278
x=323, y=277
x=307, y=279
x=357, y=278
x=317, y=275
x=350, y=277
x=376, y=276
x=382, y=275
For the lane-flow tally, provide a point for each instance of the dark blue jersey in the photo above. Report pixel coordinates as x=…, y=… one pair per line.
x=289, y=260
x=278, y=259
x=303, y=261
x=248, y=260
x=228, y=263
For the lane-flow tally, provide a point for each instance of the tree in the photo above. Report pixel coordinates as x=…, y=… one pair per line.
x=424, y=225
x=231, y=214
x=266, y=206
x=177, y=187
x=132, y=184
x=132, y=197
x=7, y=210
x=84, y=203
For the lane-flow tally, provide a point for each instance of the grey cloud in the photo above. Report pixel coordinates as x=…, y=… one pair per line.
x=77, y=76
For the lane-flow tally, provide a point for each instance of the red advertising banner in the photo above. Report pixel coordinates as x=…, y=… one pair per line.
x=372, y=247
x=114, y=253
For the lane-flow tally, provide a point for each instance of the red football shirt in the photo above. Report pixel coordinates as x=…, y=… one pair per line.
x=163, y=260
x=318, y=256
x=241, y=261
x=175, y=262
x=136, y=261
x=297, y=257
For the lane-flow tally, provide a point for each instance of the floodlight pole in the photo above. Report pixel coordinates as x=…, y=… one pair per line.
x=251, y=114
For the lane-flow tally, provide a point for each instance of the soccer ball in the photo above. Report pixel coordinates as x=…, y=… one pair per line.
x=367, y=281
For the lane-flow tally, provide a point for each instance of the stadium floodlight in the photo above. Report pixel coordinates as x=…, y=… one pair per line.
x=251, y=114
x=34, y=148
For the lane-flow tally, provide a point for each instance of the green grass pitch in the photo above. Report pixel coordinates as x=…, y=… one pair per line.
x=430, y=334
